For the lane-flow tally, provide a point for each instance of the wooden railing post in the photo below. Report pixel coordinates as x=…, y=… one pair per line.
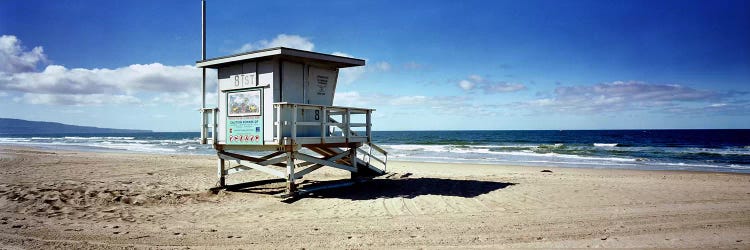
x=204, y=124
x=323, y=122
x=294, y=124
x=347, y=117
x=369, y=126
x=215, y=126
x=279, y=125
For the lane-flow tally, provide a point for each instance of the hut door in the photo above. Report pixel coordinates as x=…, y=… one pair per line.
x=321, y=84
x=291, y=82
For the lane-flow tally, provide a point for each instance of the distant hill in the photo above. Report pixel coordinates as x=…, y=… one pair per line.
x=18, y=126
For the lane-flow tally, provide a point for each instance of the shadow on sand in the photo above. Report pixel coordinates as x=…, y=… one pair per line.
x=410, y=188
x=379, y=188
x=270, y=187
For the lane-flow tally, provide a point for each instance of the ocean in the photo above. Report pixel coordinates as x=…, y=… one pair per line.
x=696, y=150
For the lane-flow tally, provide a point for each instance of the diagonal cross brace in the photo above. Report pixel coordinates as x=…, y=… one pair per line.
x=326, y=162
x=246, y=165
x=316, y=166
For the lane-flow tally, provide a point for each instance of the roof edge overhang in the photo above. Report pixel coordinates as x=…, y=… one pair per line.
x=339, y=61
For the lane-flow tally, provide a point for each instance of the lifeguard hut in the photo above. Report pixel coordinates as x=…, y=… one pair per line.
x=281, y=100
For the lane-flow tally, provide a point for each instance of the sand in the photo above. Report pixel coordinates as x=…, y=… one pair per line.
x=67, y=199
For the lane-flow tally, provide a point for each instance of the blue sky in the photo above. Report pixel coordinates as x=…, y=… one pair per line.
x=430, y=64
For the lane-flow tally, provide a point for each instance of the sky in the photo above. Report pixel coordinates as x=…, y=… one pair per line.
x=431, y=65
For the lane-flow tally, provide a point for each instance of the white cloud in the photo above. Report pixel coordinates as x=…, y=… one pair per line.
x=349, y=99
x=488, y=87
x=476, y=78
x=56, y=79
x=14, y=59
x=188, y=98
x=351, y=74
x=410, y=100
x=72, y=111
x=355, y=99
x=607, y=97
x=624, y=96
x=78, y=99
x=59, y=85
x=466, y=85
x=346, y=75
x=341, y=54
x=282, y=40
x=180, y=98
x=383, y=66
x=413, y=104
x=412, y=66
x=502, y=87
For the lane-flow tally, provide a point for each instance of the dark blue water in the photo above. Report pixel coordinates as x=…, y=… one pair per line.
x=704, y=150
x=624, y=138
x=727, y=150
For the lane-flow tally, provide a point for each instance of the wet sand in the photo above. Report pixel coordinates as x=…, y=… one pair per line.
x=68, y=199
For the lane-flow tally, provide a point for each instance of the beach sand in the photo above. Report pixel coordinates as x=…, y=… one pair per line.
x=53, y=199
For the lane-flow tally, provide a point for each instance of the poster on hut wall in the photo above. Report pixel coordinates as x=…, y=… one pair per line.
x=244, y=103
x=244, y=118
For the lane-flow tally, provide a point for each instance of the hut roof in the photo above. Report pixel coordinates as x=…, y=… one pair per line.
x=284, y=53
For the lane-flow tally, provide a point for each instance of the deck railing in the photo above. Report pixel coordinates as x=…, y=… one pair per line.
x=316, y=124
x=209, y=120
x=297, y=123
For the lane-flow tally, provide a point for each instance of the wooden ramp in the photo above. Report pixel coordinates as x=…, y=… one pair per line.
x=364, y=166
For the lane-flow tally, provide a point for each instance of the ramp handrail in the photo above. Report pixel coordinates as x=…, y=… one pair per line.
x=367, y=155
x=378, y=148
